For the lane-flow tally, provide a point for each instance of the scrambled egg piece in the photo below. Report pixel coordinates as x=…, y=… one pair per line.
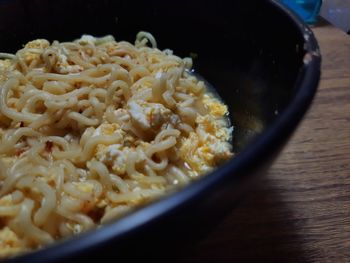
x=216, y=108
x=107, y=129
x=38, y=43
x=189, y=153
x=211, y=127
x=10, y=243
x=112, y=155
x=29, y=56
x=203, y=156
x=62, y=66
x=5, y=64
x=148, y=115
x=208, y=146
x=85, y=187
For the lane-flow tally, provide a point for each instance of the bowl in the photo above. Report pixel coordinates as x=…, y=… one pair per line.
x=260, y=58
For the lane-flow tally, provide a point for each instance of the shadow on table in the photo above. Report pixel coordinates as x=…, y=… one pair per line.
x=260, y=229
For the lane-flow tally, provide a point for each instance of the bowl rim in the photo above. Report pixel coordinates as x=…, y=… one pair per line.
x=272, y=138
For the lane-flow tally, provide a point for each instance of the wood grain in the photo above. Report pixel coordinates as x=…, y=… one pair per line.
x=300, y=212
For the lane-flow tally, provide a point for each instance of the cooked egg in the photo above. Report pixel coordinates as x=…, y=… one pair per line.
x=138, y=115
x=62, y=66
x=5, y=64
x=38, y=43
x=148, y=115
x=107, y=129
x=113, y=155
x=85, y=187
x=10, y=243
x=216, y=108
x=34, y=48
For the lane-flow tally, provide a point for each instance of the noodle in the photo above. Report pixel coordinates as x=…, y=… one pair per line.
x=93, y=128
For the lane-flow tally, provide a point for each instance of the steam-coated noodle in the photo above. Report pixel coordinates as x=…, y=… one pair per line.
x=92, y=128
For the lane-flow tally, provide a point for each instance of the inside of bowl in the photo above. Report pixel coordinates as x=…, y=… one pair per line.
x=251, y=62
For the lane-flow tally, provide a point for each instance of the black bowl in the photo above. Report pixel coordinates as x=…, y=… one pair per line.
x=261, y=59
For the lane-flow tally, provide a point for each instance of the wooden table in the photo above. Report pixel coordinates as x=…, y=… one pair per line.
x=300, y=212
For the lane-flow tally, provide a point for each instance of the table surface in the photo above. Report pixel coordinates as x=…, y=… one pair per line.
x=300, y=212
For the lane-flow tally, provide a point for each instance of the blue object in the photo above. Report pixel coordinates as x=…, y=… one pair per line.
x=307, y=9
